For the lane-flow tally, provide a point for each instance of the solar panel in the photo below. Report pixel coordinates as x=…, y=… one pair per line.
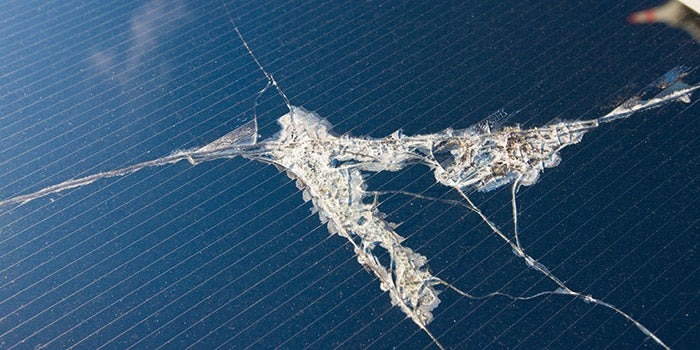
x=228, y=254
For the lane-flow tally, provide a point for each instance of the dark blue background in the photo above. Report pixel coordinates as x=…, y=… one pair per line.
x=227, y=254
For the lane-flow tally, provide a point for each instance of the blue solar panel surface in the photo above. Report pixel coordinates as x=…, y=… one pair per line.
x=225, y=254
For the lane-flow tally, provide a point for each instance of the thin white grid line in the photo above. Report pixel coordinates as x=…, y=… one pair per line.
x=410, y=235
x=53, y=162
x=108, y=242
x=152, y=136
x=694, y=327
x=14, y=31
x=228, y=250
x=620, y=176
x=149, y=138
x=35, y=238
x=15, y=16
x=232, y=300
x=164, y=325
x=129, y=79
x=612, y=291
x=563, y=263
x=572, y=278
x=629, y=301
x=656, y=278
x=588, y=141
